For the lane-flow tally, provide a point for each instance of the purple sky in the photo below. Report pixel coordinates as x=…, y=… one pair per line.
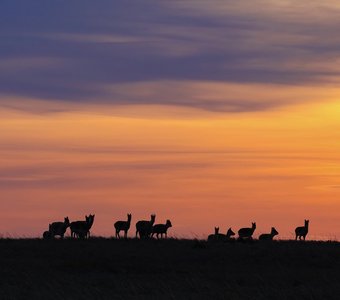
x=86, y=52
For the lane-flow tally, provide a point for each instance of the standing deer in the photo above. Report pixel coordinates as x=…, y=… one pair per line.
x=268, y=236
x=247, y=233
x=301, y=232
x=59, y=228
x=161, y=229
x=123, y=226
x=144, y=228
x=81, y=229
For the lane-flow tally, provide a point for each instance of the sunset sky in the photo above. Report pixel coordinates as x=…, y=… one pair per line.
x=207, y=113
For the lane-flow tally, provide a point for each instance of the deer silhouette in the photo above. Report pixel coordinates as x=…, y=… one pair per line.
x=301, y=232
x=247, y=233
x=229, y=234
x=81, y=229
x=123, y=226
x=269, y=236
x=221, y=237
x=160, y=229
x=216, y=236
x=144, y=228
x=59, y=228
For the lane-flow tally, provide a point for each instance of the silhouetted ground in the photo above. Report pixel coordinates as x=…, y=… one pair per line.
x=171, y=269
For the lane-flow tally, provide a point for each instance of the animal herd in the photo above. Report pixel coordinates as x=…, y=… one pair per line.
x=247, y=233
x=81, y=229
x=147, y=228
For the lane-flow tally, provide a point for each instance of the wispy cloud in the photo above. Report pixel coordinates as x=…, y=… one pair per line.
x=92, y=53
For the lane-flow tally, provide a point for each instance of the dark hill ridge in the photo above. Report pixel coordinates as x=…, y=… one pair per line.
x=168, y=269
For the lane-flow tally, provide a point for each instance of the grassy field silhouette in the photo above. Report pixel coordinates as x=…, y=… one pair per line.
x=101, y=268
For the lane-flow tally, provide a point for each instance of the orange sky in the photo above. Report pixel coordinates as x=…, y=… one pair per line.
x=209, y=113
x=276, y=168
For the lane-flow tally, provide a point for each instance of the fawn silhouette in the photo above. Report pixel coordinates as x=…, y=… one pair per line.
x=59, y=228
x=229, y=234
x=269, y=236
x=123, y=226
x=81, y=229
x=160, y=229
x=247, y=233
x=301, y=232
x=144, y=228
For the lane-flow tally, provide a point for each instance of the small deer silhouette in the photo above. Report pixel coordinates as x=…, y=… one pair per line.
x=81, y=229
x=161, y=229
x=216, y=236
x=269, y=236
x=221, y=237
x=301, y=232
x=59, y=228
x=229, y=234
x=144, y=228
x=123, y=226
x=212, y=237
x=247, y=233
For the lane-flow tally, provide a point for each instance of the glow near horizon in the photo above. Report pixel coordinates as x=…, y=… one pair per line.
x=255, y=138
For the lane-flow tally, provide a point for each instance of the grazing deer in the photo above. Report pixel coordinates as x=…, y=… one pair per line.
x=123, y=226
x=161, y=229
x=59, y=228
x=144, y=228
x=301, y=232
x=247, y=233
x=268, y=236
x=81, y=229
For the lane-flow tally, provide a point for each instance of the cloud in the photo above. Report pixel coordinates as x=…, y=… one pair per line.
x=90, y=54
x=92, y=174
